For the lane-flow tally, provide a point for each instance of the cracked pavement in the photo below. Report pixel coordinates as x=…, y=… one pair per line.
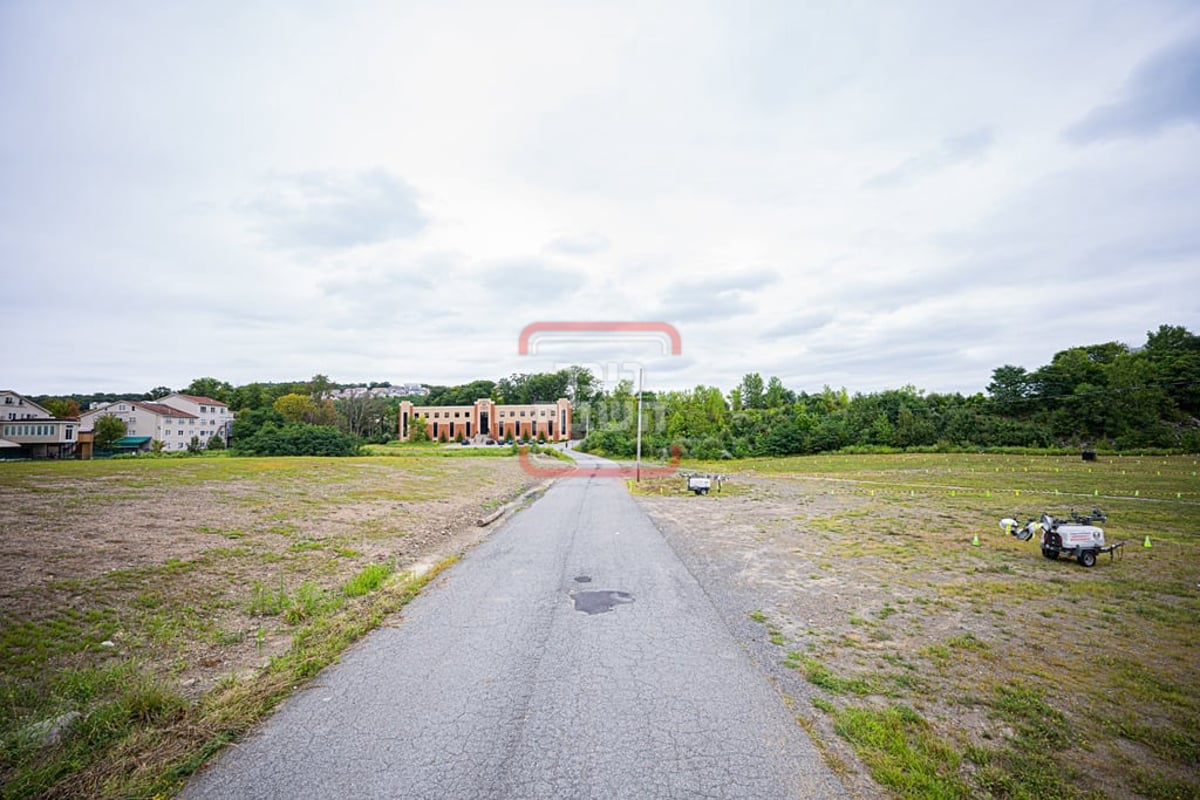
x=499, y=684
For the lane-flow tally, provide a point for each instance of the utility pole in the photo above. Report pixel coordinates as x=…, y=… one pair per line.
x=641, y=379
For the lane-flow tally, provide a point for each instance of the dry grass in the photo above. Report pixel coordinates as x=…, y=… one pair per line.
x=170, y=603
x=861, y=569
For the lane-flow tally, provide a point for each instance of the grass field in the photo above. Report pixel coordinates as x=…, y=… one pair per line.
x=152, y=610
x=944, y=669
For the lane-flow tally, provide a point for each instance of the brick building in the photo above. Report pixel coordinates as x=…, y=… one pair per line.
x=488, y=420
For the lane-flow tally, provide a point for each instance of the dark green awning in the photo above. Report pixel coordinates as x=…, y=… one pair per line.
x=131, y=441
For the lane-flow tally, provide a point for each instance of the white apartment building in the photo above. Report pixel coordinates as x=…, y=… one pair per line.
x=145, y=422
x=172, y=420
x=212, y=416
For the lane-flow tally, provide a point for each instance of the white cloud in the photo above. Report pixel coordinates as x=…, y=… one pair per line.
x=864, y=196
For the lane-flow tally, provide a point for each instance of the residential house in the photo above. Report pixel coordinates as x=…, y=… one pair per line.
x=29, y=431
x=15, y=406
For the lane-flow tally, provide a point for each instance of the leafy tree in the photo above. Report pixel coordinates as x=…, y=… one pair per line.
x=367, y=417
x=249, y=423
x=417, y=430
x=777, y=396
x=215, y=442
x=295, y=408
x=1056, y=382
x=302, y=408
x=209, y=387
x=320, y=387
x=194, y=445
x=581, y=384
x=1174, y=353
x=1009, y=388
x=62, y=407
x=159, y=392
x=107, y=430
x=913, y=429
x=751, y=391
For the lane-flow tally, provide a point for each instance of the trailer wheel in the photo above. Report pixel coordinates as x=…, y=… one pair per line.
x=1050, y=554
x=1087, y=558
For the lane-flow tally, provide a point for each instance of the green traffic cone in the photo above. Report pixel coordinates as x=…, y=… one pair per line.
x=1146, y=543
x=975, y=541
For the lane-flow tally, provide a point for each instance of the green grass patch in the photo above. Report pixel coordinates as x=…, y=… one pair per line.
x=823, y=677
x=137, y=738
x=368, y=579
x=903, y=753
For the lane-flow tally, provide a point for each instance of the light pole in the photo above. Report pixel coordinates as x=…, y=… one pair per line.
x=641, y=378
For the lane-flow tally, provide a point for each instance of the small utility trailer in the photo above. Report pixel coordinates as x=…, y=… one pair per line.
x=702, y=484
x=1076, y=537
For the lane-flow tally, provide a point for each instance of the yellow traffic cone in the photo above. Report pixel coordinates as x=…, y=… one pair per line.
x=1146, y=543
x=975, y=541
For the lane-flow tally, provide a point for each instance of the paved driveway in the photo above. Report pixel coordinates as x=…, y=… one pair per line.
x=571, y=655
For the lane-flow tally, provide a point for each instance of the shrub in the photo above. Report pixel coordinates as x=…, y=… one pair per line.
x=298, y=439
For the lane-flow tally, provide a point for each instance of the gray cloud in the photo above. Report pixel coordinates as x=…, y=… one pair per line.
x=714, y=298
x=800, y=324
x=582, y=244
x=327, y=210
x=529, y=282
x=1161, y=91
x=970, y=146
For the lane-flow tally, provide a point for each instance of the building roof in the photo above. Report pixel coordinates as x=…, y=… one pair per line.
x=208, y=401
x=159, y=409
x=163, y=410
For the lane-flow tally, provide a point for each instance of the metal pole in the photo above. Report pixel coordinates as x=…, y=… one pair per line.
x=641, y=379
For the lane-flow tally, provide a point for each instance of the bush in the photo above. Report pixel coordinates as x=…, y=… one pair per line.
x=298, y=439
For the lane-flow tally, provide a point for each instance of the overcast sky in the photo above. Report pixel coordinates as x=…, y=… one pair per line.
x=859, y=194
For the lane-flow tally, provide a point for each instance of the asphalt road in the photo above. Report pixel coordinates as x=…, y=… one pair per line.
x=571, y=655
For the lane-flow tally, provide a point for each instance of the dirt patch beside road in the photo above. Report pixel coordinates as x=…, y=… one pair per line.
x=176, y=564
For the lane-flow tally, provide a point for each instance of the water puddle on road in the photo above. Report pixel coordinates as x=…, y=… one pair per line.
x=600, y=602
x=583, y=578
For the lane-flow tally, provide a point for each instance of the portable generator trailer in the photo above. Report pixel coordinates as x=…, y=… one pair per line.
x=701, y=484
x=1076, y=537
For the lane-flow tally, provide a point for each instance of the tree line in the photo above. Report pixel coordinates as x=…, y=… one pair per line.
x=1105, y=395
